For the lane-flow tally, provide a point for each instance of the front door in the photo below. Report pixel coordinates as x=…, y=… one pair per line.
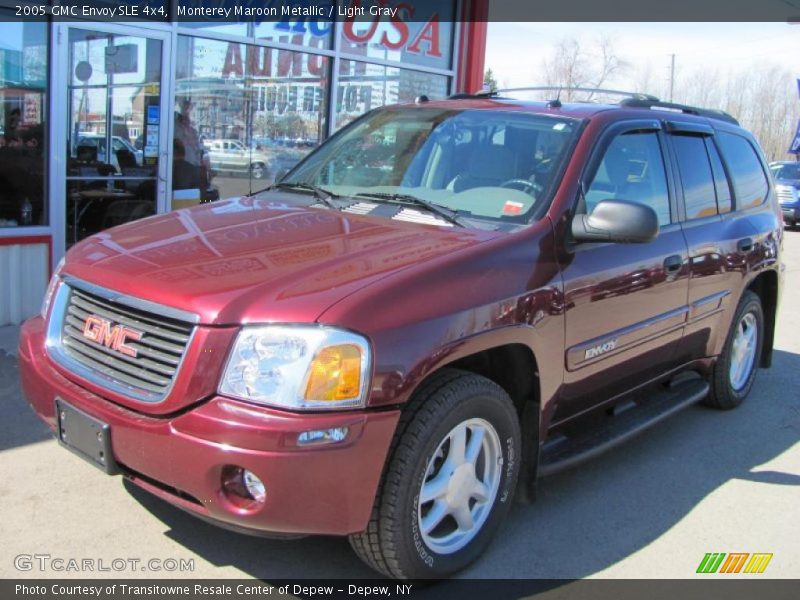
x=626, y=304
x=115, y=126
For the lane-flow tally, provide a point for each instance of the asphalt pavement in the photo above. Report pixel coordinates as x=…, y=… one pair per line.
x=703, y=481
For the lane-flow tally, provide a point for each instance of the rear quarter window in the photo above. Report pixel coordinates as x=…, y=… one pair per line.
x=749, y=180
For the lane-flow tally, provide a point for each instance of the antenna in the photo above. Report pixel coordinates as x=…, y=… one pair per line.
x=555, y=102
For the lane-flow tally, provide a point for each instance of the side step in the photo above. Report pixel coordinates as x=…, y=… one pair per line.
x=564, y=453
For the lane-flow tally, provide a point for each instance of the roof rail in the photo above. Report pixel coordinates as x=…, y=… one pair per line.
x=557, y=89
x=711, y=113
x=630, y=100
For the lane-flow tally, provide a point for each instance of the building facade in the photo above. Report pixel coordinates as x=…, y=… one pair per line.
x=104, y=123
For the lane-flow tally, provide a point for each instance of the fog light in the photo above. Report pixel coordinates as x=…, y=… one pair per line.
x=242, y=487
x=254, y=486
x=322, y=436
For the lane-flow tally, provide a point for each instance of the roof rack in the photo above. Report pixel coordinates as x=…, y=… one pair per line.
x=711, y=113
x=557, y=89
x=630, y=100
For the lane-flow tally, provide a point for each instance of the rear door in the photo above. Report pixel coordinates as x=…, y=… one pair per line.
x=626, y=304
x=718, y=221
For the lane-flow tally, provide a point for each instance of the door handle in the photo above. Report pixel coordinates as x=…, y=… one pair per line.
x=673, y=263
x=745, y=244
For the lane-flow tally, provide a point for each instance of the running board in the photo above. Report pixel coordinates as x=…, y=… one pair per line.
x=566, y=452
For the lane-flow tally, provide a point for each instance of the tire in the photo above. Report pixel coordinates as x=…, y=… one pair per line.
x=258, y=170
x=396, y=542
x=729, y=387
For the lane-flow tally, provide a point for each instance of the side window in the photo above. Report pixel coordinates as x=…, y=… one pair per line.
x=721, y=183
x=696, y=176
x=632, y=169
x=749, y=179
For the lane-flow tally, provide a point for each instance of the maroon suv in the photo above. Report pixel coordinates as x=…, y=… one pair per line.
x=442, y=299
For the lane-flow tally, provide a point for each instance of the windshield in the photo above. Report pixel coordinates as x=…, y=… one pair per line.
x=489, y=165
x=787, y=171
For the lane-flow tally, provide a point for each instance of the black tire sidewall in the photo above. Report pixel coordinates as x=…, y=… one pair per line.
x=258, y=168
x=730, y=396
x=425, y=562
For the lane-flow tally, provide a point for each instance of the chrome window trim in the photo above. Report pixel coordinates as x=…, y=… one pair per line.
x=55, y=348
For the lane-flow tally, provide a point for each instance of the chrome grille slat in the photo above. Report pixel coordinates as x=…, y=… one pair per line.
x=141, y=376
x=76, y=335
x=147, y=376
x=151, y=339
x=129, y=317
x=786, y=194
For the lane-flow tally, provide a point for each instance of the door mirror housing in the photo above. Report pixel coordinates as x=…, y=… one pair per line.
x=620, y=221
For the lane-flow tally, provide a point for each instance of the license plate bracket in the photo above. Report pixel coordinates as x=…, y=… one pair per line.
x=86, y=436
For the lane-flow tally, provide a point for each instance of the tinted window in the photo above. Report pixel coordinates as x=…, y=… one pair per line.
x=696, y=176
x=749, y=179
x=721, y=183
x=632, y=169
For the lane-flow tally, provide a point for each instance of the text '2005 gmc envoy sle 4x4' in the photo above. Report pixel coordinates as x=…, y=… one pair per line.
x=444, y=298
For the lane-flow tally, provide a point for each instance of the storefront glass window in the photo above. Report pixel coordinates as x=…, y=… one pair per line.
x=423, y=37
x=112, y=130
x=244, y=113
x=309, y=33
x=364, y=86
x=23, y=106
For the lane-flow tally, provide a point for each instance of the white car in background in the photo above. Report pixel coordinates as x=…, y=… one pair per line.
x=98, y=140
x=234, y=157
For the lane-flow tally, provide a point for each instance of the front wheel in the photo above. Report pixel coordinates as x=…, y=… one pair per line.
x=449, y=482
x=258, y=171
x=735, y=369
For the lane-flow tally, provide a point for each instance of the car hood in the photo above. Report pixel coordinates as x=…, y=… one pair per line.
x=247, y=260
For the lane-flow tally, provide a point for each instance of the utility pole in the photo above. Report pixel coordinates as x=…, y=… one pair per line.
x=671, y=77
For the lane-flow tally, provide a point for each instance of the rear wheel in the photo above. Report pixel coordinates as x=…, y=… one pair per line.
x=735, y=369
x=449, y=481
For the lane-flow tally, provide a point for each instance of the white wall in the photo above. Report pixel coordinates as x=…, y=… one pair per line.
x=23, y=280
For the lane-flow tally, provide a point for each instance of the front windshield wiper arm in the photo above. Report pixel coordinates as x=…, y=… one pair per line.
x=320, y=194
x=447, y=214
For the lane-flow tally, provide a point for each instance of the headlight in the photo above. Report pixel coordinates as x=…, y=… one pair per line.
x=51, y=288
x=298, y=367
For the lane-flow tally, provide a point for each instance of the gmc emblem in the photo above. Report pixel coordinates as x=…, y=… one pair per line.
x=115, y=337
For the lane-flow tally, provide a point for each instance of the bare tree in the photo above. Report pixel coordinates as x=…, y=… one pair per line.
x=763, y=99
x=572, y=66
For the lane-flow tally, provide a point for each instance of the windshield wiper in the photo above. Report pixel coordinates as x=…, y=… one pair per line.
x=447, y=214
x=320, y=194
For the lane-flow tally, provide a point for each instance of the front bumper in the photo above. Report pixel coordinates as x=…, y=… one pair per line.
x=310, y=490
x=791, y=213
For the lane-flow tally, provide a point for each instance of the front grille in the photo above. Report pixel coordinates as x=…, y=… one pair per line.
x=786, y=194
x=159, y=351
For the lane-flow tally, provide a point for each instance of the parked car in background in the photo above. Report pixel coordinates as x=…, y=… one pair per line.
x=233, y=156
x=787, y=186
x=119, y=146
x=442, y=299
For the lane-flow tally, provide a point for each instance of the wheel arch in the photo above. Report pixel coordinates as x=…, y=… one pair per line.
x=513, y=365
x=765, y=286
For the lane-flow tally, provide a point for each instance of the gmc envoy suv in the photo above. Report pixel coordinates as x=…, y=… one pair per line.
x=443, y=303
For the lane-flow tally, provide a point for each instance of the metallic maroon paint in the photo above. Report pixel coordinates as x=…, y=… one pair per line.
x=309, y=490
x=425, y=296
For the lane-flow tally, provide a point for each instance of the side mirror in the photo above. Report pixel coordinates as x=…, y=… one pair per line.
x=619, y=221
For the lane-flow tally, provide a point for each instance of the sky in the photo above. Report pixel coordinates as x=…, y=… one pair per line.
x=515, y=51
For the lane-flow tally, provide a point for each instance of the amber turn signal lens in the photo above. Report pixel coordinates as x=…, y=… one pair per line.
x=335, y=374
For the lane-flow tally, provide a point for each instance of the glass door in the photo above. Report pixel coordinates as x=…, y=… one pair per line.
x=115, y=127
